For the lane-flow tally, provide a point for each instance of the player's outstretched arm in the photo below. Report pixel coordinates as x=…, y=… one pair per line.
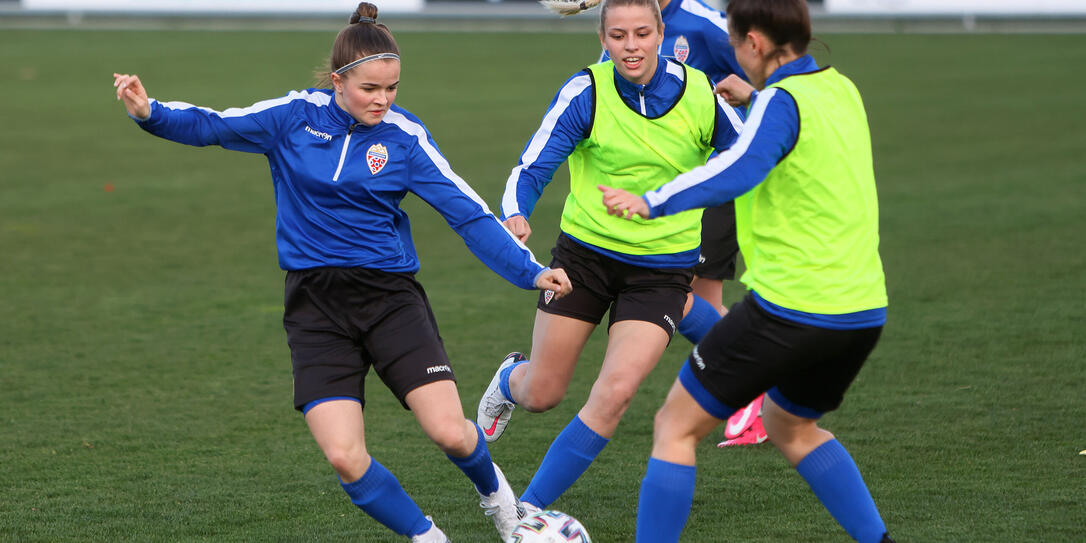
x=623, y=204
x=130, y=90
x=555, y=280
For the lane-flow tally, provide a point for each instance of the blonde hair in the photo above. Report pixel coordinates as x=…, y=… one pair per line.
x=652, y=5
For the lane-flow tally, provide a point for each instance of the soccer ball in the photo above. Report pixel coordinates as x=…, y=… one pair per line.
x=549, y=527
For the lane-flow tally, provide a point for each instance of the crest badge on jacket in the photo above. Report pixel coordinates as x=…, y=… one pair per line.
x=681, y=49
x=376, y=157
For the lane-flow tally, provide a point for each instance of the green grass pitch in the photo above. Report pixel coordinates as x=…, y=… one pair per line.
x=144, y=375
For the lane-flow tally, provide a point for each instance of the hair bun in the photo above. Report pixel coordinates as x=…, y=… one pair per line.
x=364, y=13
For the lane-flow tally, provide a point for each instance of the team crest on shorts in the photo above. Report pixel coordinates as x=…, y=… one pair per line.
x=548, y=295
x=376, y=157
x=681, y=49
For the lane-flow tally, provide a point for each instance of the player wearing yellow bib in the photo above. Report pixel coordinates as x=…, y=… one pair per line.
x=636, y=123
x=807, y=216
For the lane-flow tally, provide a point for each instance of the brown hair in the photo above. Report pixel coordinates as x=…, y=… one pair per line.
x=785, y=22
x=362, y=37
x=652, y=5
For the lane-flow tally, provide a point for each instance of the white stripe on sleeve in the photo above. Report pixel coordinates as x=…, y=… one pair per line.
x=733, y=117
x=317, y=98
x=539, y=140
x=721, y=162
x=711, y=15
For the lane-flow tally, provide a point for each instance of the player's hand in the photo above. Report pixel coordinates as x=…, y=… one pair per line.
x=554, y=280
x=518, y=225
x=130, y=89
x=623, y=204
x=734, y=90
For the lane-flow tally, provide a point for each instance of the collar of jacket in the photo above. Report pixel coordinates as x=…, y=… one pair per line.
x=653, y=87
x=802, y=65
x=338, y=119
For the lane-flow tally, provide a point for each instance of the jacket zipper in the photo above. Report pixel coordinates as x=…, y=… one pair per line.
x=343, y=153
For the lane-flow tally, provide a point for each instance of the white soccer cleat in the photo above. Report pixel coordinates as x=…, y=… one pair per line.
x=433, y=535
x=529, y=508
x=502, y=506
x=494, y=409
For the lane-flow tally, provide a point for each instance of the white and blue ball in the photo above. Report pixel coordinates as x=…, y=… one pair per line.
x=549, y=527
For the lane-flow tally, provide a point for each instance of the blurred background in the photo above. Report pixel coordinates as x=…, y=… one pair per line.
x=504, y=15
x=144, y=374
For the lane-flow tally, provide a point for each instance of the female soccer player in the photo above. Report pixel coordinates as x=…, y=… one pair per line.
x=635, y=122
x=697, y=35
x=342, y=159
x=807, y=217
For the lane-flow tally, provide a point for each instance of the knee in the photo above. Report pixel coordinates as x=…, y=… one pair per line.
x=618, y=393
x=540, y=399
x=453, y=438
x=614, y=397
x=789, y=432
x=349, y=461
x=671, y=439
x=538, y=403
x=661, y=424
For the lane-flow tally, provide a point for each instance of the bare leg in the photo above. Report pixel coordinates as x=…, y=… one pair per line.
x=710, y=290
x=794, y=436
x=557, y=343
x=633, y=349
x=437, y=408
x=338, y=428
x=679, y=426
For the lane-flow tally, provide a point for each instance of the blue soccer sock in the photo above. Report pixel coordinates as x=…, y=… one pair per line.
x=698, y=321
x=835, y=479
x=503, y=380
x=478, y=466
x=568, y=457
x=667, y=491
x=380, y=495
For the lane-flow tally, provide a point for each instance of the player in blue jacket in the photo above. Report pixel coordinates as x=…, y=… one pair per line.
x=632, y=122
x=341, y=161
x=697, y=35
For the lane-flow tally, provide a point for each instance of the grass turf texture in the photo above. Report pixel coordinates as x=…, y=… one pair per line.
x=144, y=376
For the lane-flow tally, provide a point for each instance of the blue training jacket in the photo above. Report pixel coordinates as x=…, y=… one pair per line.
x=339, y=183
x=697, y=35
x=569, y=120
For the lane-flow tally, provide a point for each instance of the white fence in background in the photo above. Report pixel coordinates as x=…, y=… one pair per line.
x=335, y=7
x=956, y=7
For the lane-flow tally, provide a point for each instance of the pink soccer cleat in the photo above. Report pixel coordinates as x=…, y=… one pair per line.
x=754, y=435
x=741, y=420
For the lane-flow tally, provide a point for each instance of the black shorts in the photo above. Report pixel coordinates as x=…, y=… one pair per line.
x=719, y=247
x=341, y=321
x=601, y=283
x=750, y=351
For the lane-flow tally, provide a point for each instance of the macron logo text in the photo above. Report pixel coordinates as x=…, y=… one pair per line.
x=322, y=135
x=438, y=369
x=697, y=358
